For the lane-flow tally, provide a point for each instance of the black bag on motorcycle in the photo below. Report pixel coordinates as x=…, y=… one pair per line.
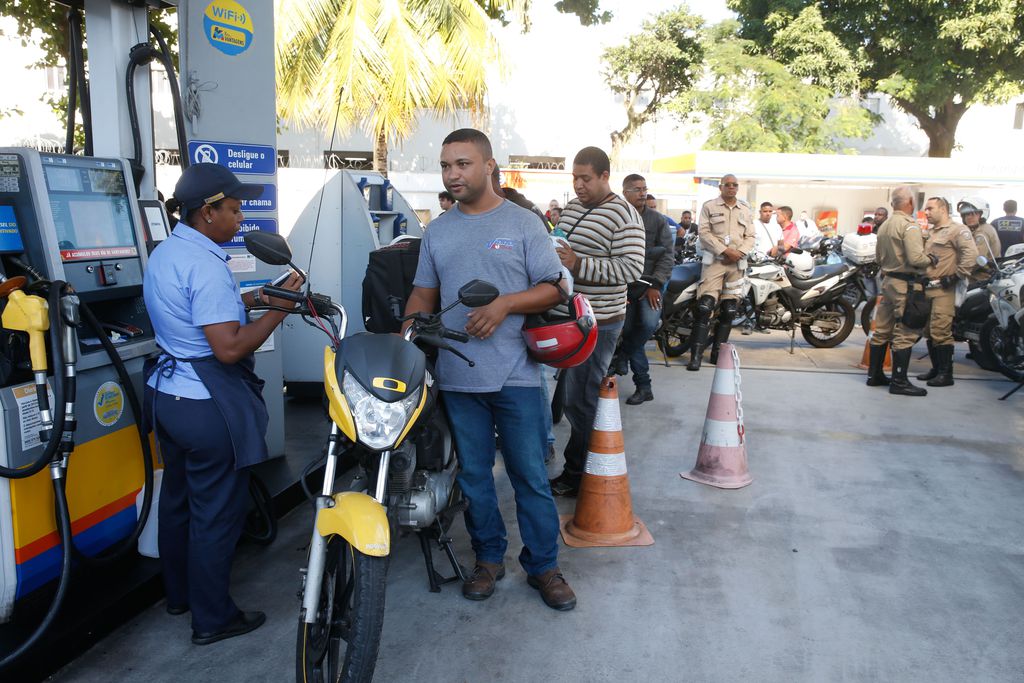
x=917, y=308
x=388, y=282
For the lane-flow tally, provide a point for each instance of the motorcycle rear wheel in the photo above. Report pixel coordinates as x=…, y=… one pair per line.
x=827, y=339
x=350, y=616
x=673, y=338
x=867, y=314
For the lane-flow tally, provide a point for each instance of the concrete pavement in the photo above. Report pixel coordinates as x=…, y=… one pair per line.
x=882, y=539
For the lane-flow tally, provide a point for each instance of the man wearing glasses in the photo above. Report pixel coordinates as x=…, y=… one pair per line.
x=726, y=230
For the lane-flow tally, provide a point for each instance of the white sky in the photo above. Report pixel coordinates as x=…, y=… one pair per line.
x=555, y=68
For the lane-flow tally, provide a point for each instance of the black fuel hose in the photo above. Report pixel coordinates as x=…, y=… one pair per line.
x=69, y=138
x=128, y=544
x=64, y=529
x=59, y=392
x=172, y=81
x=75, y=32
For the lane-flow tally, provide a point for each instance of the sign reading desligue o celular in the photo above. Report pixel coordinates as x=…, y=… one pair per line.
x=228, y=26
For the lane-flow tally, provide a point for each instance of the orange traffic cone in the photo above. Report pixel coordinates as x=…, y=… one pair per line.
x=722, y=458
x=604, y=510
x=865, y=359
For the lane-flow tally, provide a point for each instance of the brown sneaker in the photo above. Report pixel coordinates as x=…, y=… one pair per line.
x=553, y=589
x=480, y=584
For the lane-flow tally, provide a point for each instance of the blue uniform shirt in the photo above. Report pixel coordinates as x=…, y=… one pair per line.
x=188, y=285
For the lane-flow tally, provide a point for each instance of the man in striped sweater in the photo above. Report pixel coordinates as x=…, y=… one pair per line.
x=604, y=252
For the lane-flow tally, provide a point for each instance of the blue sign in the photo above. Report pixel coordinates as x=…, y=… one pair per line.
x=265, y=202
x=237, y=156
x=10, y=236
x=251, y=225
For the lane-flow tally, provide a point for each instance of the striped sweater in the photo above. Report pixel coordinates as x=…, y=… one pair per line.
x=610, y=242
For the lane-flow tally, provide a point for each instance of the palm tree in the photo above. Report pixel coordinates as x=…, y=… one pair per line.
x=383, y=63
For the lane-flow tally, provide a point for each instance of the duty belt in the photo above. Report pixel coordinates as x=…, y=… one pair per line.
x=906, y=277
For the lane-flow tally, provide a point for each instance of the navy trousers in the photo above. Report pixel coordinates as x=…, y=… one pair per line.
x=203, y=503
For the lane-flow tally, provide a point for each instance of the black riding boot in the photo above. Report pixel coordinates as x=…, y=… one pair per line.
x=700, y=331
x=876, y=375
x=944, y=376
x=925, y=376
x=726, y=314
x=900, y=384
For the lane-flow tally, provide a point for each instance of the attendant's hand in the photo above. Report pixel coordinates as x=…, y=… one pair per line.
x=653, y=296
x=293, y=283
x=484, y=321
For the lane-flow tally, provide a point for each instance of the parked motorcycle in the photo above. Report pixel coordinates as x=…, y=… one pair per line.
x=1002, y=334
x=779, y=299
x=387, y=417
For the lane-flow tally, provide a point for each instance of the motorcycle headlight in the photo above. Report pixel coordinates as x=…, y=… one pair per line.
x=378, y=423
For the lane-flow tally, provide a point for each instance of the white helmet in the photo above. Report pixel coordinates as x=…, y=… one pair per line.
x=973, y=203
x=800, y=264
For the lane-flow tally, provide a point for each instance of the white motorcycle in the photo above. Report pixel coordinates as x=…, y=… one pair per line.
x=775, y=296
x=1002, y=335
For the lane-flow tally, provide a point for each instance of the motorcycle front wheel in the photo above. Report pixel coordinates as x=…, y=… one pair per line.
x=343, y=641
x=831, y=329
x=1003, y=347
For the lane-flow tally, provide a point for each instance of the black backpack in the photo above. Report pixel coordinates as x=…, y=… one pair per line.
x=388, y=284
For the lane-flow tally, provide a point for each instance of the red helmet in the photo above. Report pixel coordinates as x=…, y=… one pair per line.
x=562, y=341
x=865, y=228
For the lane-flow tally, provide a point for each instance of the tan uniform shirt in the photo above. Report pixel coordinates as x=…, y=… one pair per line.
x=991, y=236
x=722, y=226
x=954, y=246
x=900, y=246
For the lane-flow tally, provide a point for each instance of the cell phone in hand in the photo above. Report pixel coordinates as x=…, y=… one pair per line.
x=281, y=279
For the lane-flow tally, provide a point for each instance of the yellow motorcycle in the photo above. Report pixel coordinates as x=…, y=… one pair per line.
x=386, y=415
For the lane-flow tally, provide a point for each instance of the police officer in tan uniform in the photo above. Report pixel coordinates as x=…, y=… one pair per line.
x=974, y=212
x=902, y=259
x=726, y=230
x=954, y=247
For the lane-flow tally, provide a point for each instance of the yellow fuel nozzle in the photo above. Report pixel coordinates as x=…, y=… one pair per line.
x=27, y=313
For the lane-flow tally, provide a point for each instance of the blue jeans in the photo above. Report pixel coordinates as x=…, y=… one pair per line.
x=516, y=412
x=549, y=423
x=638, y=327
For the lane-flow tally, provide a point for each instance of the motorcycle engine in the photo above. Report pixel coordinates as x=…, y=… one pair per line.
x=773, y=313
x=415, y=492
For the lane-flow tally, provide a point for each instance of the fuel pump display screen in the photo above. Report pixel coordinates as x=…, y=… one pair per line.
x=91, y=210
x=10, y=233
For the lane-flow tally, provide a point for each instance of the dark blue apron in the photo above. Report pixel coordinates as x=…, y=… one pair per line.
x=237, y=392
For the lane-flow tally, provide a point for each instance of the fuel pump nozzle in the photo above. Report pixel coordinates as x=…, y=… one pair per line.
x=29, y=313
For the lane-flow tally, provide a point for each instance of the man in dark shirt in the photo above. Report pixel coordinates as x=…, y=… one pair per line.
x=1010, y=227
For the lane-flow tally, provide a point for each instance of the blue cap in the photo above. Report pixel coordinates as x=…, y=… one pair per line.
x=202, y=184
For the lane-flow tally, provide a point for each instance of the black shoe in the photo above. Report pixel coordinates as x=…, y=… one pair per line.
x=565, y=485
x=933, y=357
x=944, y=374
x=240, y=625
x=619, y=366
x=639, y=396
x=900, y=385
x=174, y=610
x=876, y=377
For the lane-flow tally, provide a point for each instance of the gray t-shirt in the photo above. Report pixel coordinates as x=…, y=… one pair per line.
x=507, y=247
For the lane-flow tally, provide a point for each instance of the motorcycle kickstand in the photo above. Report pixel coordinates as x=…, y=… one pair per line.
x=1011, y=392
x=664, y=353
x=436, y=579
x=792, y=339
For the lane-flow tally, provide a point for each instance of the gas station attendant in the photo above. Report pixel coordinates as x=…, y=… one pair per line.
x=205, y=399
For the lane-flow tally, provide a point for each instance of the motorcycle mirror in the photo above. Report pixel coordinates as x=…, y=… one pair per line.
x=477, y=293
x=268, y=247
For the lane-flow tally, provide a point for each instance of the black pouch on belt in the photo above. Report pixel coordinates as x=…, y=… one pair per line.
x=917, y=308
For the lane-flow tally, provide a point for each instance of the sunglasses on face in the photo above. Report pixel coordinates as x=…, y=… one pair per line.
x=730, y=184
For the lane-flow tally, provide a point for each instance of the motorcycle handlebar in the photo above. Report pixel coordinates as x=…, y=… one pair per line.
x=282, y=293
x=455, y=335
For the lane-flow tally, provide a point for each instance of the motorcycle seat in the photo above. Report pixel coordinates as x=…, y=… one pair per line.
x=684, y=275
x=825, y=273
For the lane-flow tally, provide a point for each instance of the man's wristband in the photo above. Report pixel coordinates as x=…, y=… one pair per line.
x=257, y=298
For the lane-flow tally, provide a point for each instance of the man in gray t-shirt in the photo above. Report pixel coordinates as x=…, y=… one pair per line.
x=486, y=237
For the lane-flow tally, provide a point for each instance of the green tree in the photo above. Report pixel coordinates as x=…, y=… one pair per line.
x=934, y=59
x=752, y=103
x=655, y=65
